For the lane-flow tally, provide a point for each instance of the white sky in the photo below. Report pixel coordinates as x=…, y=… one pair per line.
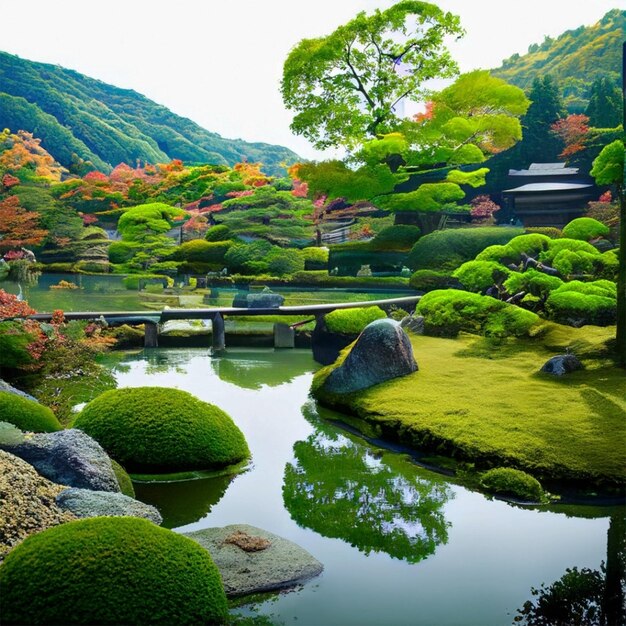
x=219, y=62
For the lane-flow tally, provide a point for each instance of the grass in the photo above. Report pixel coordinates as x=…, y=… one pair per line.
x=484, y=401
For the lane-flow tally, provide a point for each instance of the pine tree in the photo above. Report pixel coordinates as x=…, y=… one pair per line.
x=605, y=109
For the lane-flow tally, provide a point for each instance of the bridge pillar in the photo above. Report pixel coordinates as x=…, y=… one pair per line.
x=151, y=336
x=218, y=335
x=284, y=336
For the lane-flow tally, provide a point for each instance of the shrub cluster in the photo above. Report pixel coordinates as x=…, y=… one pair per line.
x=219, y=232
x=155, y=429
x=352, y=321
x=429, y=280
x=398, y=237
x=447, y=249
x=507, y=481
x=478, y=276
x=26, y=414
x=111, y=570
x=449, y=311
x=585, y=229
x=580, y=303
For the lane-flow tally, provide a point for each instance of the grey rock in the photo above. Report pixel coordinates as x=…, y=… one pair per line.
x=68, y=457
x=414, y=324
x=383, y=351
x=10, y=435
x=562, y=364
x=87, y=503
x=283, y=564
x=4, y=386
x=264, y=300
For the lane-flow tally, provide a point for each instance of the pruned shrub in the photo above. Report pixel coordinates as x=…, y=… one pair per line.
x=282, y=262
x=352, y=321
x=111, y=570
x=548, y=231
x=398, y=237
x=448, y=311
x=506, y=481
x=585, y=229
x=26, y=414
x=531, y=245
x=201, y=251
x=534, y=282
x=155, y=429
x=122, y=251
x=478, y=276
x=428, y=280
x=249, y=258
x=219, y=232
x=567, y=262
x=578, y=303
x=447, y=249
x=315, y=258
x=571, y=245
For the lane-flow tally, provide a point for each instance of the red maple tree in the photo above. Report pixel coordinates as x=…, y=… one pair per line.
x=18, y=227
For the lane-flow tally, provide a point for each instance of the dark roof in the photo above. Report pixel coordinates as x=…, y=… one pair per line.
x=538, y=187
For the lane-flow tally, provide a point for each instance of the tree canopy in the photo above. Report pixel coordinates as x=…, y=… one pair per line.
x=348, y=85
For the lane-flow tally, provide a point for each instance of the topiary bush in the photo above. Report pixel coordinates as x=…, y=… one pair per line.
x=534, y=282
x=448, y=311
x=201, y=251
x=111, y=570
x=122, y=251
x=315, y=258
x=282, y=262
x=26, y=414
x=585, y=229
x=398, y=237
x=428, y=280
x=572, y=245
x=567, y=262
x=569, y=306
x=249, y=258
x=478, y=276
x=531, y=245
x=507, y=481
x=219, y=232
x=157, y=430
x=548, y=231
x=447, y=249
x=352, y=321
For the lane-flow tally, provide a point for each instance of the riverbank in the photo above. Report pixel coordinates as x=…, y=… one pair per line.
x=485, y=403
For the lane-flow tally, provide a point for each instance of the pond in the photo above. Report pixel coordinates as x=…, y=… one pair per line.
x=400, y=544
x=106, y=292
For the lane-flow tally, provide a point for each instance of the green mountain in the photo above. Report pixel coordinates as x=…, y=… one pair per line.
x=78, y=116
x=576, y=58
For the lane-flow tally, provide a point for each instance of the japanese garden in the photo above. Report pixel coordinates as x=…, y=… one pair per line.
x=380, y=385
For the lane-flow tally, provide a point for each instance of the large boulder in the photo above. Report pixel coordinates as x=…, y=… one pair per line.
x=383, y=351
x=264, y=300
x=86, y=503
x=562, y=364
x=68, y=457
x=27, y=502
x=253, y=560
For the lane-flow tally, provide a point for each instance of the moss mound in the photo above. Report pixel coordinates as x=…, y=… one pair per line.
x=26, y=414
x=507, y=481
x=110, y=570
x=154, y=429
x=352, y=321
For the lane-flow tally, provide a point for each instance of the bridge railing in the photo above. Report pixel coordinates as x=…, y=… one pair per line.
x=152, y=319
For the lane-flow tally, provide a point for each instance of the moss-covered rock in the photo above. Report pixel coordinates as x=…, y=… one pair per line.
x=155, y=429
x=111, y=570
x=27, y=414
x=448, y=311
x=506, y=481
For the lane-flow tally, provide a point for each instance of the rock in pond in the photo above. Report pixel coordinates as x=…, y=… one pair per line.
x=383, y=351
x=562, y=364
x=68, y=457
x=253, y=560
x=27, y=502
x=264, y=300
x=87, y=503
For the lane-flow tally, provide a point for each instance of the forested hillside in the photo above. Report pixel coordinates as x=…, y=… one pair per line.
x=77, y=115
x=575, y=59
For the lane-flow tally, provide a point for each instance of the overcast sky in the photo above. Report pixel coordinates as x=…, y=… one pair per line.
x=219, y=62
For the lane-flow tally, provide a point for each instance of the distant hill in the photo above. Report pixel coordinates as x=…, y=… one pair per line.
x=75, y=114
x=575, y=59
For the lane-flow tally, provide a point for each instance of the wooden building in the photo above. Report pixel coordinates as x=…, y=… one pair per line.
x=549, y=194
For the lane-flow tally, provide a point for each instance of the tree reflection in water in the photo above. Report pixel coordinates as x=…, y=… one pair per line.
x=378, y=501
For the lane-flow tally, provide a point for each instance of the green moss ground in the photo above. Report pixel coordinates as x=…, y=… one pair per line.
x=486, y=402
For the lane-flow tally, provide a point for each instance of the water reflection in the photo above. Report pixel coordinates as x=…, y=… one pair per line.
x=376, y=500
x=183, y=502
x=251, y=369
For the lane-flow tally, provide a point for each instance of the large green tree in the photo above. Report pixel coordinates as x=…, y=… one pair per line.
x=608, y=169
x=606, y=105
x=435, y=155
x=349, y=84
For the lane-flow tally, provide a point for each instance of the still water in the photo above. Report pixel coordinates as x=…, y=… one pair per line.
x=399, y=543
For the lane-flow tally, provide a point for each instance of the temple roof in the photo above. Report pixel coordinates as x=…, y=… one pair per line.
x=545, y=169
x=535, y=187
